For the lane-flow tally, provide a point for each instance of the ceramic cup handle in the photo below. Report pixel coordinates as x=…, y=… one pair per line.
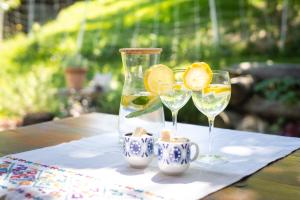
x=197, y=151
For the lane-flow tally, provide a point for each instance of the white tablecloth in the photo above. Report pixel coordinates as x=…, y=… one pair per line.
x=100, y=156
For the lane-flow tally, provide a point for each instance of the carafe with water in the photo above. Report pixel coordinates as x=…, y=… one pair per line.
x=138, y=107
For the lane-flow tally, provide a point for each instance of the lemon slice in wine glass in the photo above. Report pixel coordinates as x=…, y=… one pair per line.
x=197, y=76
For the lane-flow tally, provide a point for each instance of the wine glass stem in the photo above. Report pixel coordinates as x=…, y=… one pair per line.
x=210, y=137
x=174, y=121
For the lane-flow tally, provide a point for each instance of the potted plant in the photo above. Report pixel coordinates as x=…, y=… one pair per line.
x=75, y=71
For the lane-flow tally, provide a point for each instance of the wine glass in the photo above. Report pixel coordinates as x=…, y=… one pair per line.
x=175, y=96
x=211, y=101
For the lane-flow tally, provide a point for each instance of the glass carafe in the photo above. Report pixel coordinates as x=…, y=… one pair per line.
x=139, y=108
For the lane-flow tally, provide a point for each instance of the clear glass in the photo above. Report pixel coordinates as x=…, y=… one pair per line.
x=139, y=108
x=175, y=97
x=211, y=101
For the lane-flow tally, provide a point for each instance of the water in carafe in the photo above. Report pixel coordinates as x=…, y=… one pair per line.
x=138, y=107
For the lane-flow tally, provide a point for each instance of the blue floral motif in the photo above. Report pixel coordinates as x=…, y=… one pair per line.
x=135, y=147
x=144, y=140
x=150, y=147
x=160, y=152
x=175, y=155
x=188, y=154
x=124, y=148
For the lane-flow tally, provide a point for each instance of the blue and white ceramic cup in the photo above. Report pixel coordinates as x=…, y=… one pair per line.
x=174, y=156
x=138, y=150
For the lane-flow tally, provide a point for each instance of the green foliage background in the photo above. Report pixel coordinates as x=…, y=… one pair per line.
x=31, y=66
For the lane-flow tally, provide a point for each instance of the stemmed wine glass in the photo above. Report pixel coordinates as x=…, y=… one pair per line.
x=175, y=96
x=211, y=101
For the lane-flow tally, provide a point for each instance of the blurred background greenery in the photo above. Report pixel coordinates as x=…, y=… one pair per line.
x=221, y=33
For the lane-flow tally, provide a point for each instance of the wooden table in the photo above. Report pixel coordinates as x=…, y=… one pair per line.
x=280, y=180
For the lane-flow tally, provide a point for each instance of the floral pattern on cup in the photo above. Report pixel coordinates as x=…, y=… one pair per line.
x=150, y=145
x=175, y=157
x=135, y=147
x=138, y=151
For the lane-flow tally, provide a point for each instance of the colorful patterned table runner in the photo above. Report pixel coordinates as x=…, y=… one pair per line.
x=22, y=179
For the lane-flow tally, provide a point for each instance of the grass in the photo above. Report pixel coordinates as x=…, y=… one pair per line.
x=31, y=66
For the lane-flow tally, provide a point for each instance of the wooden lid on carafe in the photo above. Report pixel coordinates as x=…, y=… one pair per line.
x=141, y=50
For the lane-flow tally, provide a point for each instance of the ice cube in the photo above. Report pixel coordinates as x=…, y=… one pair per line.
x=165, y=135
x=139, y=132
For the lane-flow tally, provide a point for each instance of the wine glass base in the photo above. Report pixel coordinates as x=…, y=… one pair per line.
x=211, y=159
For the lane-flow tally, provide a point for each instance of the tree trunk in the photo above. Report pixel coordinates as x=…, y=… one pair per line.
x=56, y=6
x=30, y=18
x=243, y=21
x=283, y=29
x=1, y=24
x=134, y=39
x=80, y=36
x=214, y=21
x=176, y=31
x=156, y=24
x=197, y=29
x=43, y=11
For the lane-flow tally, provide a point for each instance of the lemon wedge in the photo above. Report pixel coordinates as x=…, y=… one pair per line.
x=217, y=89
x=177, y=87
x=197, y=76
x=159, y=79
x=127, y=99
